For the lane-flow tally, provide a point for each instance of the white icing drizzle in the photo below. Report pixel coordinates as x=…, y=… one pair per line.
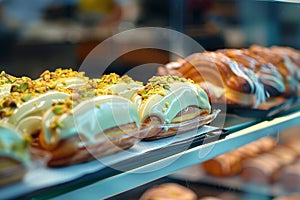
x=252, y=80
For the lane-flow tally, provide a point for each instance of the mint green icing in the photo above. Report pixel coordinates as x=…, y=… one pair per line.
x=90, y=118
x=12, y=144
x=179, y=96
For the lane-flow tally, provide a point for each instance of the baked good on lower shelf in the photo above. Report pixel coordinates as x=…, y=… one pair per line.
x=223, y=166
x=209, y=198
x=231, y=163
x=284, y=154
x=294, y=144
x=225, y=80
x=262, y=169
x=290, y=177
x=293, y=196
x=169, y=100
x=78, y=130
x=14, y=155
x=169, y=191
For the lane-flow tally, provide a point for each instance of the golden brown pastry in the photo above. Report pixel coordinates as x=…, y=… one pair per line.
x=262, y=169
x=264, y=71
x=293, y=196
x=230, y=163
x=224, y=80
x=290, y=177
x=284, y=65
x=169, y=191
x=88, y=126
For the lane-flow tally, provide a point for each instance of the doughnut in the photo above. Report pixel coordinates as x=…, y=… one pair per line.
x=169, y=100
x=169, y=191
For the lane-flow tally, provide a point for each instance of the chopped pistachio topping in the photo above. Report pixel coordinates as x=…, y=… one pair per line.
x=61, y=73
x=113, y=78
x=159, y=85
x=6, y=78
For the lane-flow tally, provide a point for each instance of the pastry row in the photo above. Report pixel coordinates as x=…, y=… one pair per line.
x=174, y=191
x=75, y=119
x=261, y=162
x=253, y=77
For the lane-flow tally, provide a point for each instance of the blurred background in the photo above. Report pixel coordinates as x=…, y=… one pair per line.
x=46, y=34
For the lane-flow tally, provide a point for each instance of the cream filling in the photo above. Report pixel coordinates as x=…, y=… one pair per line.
x=90, y=118
x=180, y=96
x=12, y=144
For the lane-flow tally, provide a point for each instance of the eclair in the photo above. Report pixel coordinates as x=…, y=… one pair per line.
x=170, y=100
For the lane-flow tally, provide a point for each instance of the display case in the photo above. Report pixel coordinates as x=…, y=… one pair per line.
x=215, y=25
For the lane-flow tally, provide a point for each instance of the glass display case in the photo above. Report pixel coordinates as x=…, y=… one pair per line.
x=69, y=34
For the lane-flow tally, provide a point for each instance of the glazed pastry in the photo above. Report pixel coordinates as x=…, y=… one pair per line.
x=170, y=100
x=14, y=155
x=224, y=80
x=123, y=86
x=283, y=64
x=82, y=129
x=265, y=72
x=292, y=54
x=169, y=191
x=24, y=105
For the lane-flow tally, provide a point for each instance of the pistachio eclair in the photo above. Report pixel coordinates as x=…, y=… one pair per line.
x=170, y=100
x=83, y=128
x=14, y=155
